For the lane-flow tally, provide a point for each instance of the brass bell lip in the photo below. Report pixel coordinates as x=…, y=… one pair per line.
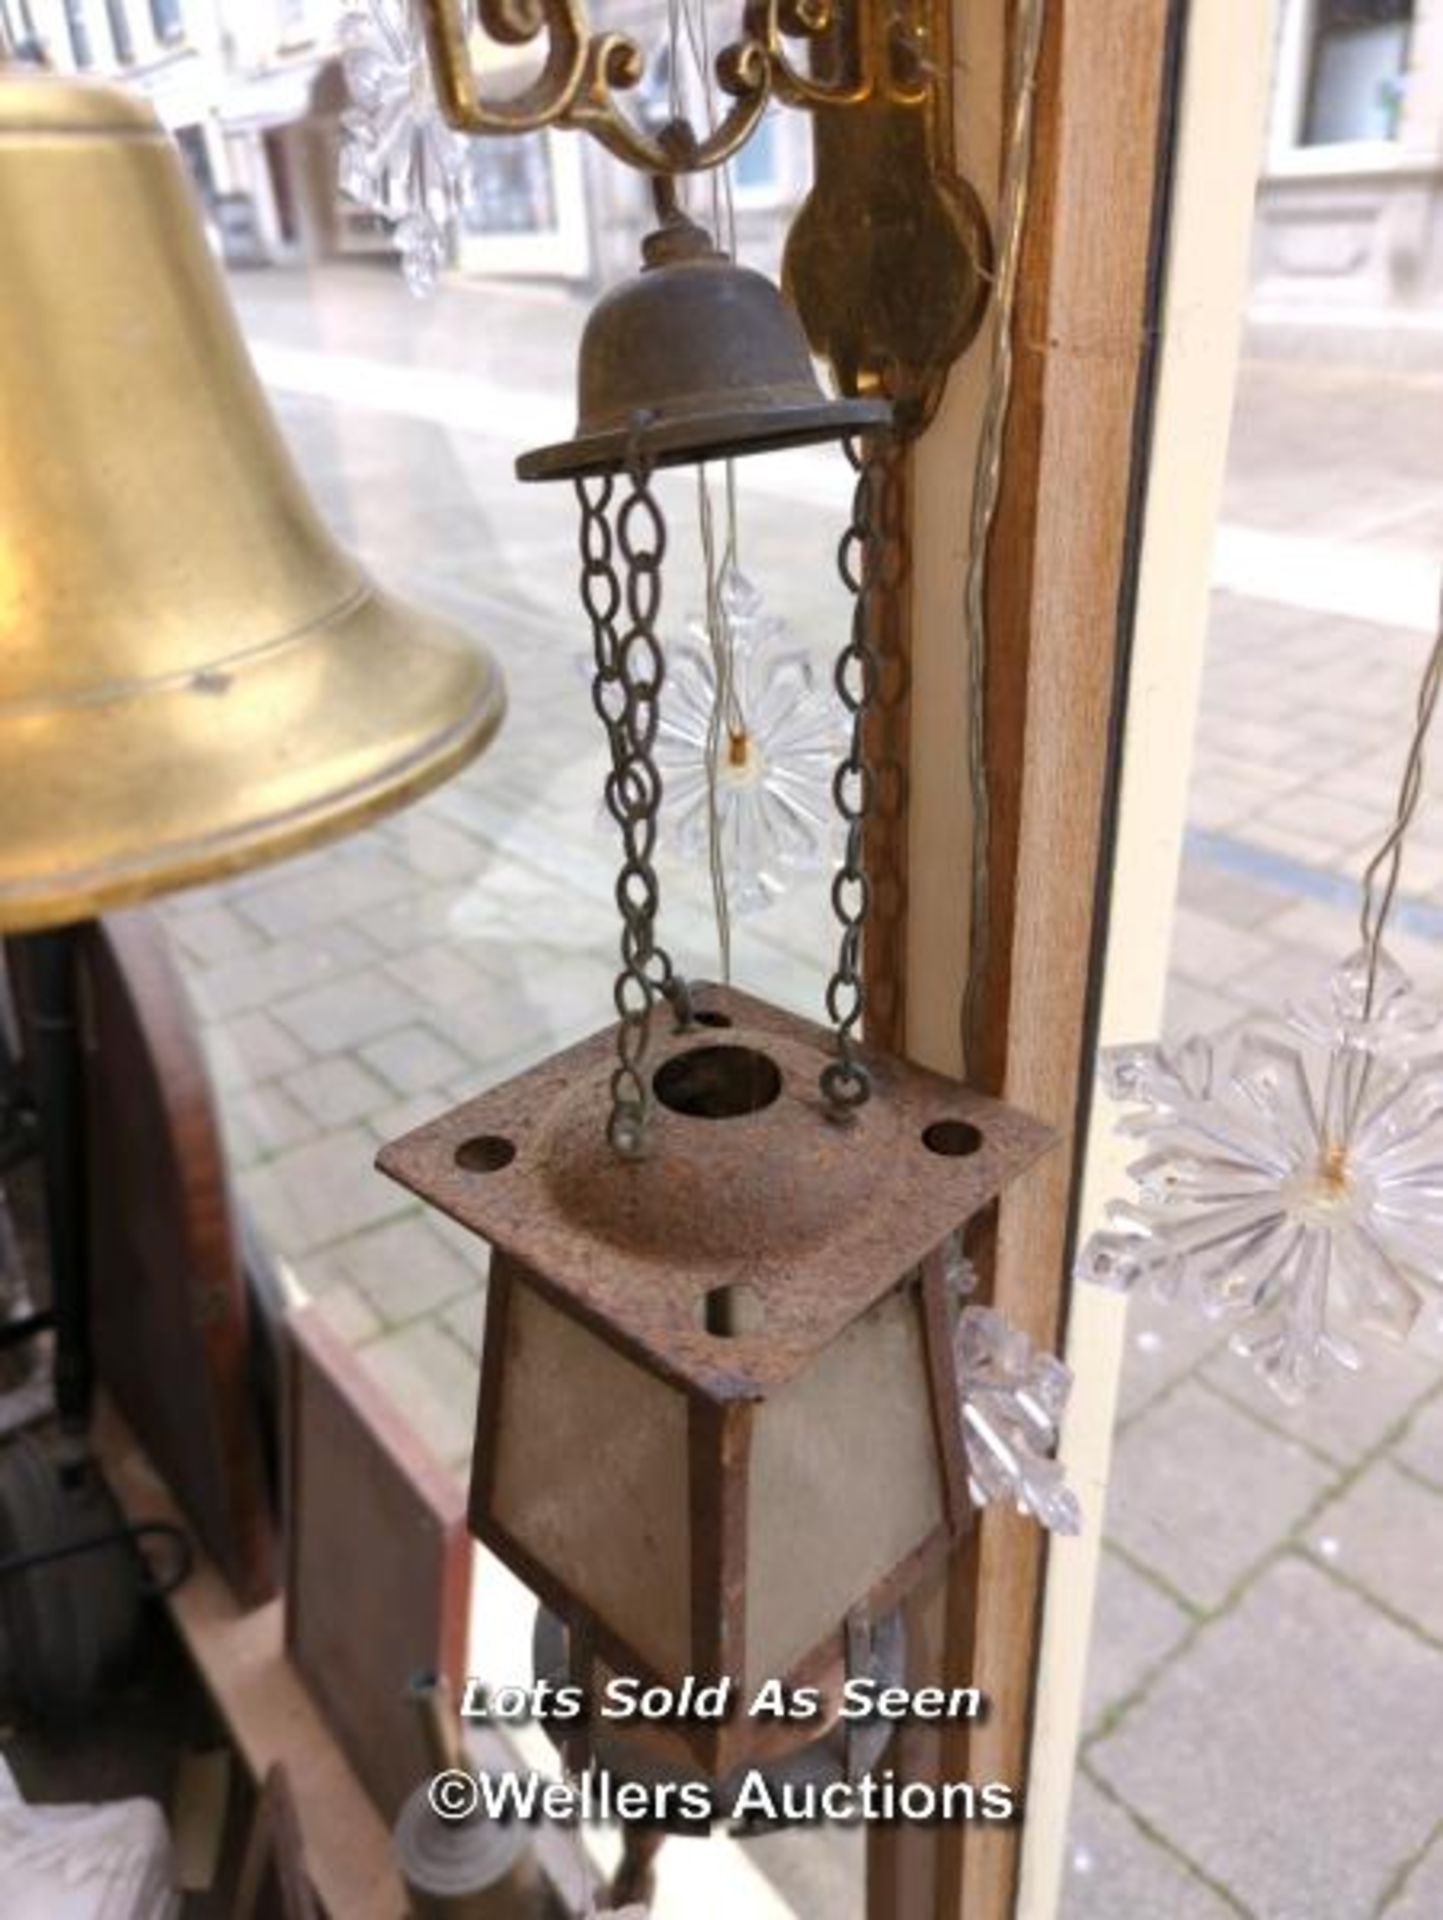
x=694, y=438
x=166, y=783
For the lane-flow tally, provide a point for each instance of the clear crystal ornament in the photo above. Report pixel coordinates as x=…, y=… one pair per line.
x=399, y=159
x=1297, y=1193
x=1374, y=1011
x=1013, y=1399
x=959, y=1276
x=774, y=761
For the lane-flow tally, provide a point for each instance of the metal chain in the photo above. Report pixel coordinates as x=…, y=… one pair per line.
x=861, y=558
x=886, y=830
x=626, y=693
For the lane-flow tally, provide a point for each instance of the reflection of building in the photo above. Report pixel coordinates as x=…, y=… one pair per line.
x=170, y=48
x=252, y=90
x=232, y=81
x=1350, y=210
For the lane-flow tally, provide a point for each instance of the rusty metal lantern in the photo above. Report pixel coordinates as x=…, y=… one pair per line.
x=718, y=1430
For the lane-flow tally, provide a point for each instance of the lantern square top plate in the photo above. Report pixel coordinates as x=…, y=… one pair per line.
x=753, y=1208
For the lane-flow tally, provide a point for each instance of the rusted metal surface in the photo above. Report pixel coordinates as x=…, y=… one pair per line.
x=946, y=1402
x=694, y=359
x=816, y=1219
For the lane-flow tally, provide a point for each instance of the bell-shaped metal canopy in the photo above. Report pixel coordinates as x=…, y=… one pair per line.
x=694, y=359
x=194, y=677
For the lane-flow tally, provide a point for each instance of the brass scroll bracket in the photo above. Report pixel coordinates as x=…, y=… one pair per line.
x=586, y=75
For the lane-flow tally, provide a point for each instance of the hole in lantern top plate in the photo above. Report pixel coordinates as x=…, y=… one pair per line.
x=954, y=1138
x=730, y=1311
x=485, y=1153
x=710, y=1017
x=718, y=1083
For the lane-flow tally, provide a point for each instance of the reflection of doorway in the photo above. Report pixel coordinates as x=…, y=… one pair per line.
x=283, y=194
x=196, y=154
x=525, y=210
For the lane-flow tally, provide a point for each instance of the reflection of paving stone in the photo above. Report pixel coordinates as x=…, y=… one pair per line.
x=434, y=847
x=1351, y=1414
x=262, y=1121
x=1191, y=1009
x=211, y=932
x=1285, y=1750
x=442, y=974
x=432, y=1378
x=817, y=1870
x=249, y=1048
x=249, y=979
x=349, y=880
x=349, y=1315
x=1420, y=1897
x=466, y=1319
x=347, y=1013
x=1209, y=951
x=1113, y=1871
x=1134, y=1628
x=406, y=1270
x=1161, y=1345
x=1228, y=896
x=268, y=1201
x=406, y=1115
x=336, y=1091
x=1386, y=1535
x=413, y=1059
x=1200, y=1493
x=327, y=1189
x=1421, y=1444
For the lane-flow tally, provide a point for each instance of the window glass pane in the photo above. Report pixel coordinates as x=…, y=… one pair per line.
x=1251, y=1545
x=17, y=23
x=755, y=167
x=120, y=37
x=81, y=46
x=1360, y=53
x=511, y=186
x=165, y=17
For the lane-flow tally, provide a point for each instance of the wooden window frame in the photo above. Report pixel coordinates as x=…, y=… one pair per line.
x=1092, y=337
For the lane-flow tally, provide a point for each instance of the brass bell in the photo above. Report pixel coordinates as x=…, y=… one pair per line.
x=193, y=676
x=694, y=359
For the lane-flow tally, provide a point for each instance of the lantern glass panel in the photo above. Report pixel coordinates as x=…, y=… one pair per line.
x=844, y=1484
x=591, y=1477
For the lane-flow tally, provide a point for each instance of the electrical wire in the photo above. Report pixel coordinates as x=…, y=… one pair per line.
x=718, y=629
x=987, y=487
x=1380, y=890
x=1384, y=870
x=687, y=18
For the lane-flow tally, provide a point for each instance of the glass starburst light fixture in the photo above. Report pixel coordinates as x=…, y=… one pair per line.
x=399, y=159
x=1293, y=1179
x=762, y=750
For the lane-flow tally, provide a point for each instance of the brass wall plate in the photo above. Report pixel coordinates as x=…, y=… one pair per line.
x=889, y=260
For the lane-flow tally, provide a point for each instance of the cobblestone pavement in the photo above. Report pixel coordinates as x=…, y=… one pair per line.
x=1267, y=1673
